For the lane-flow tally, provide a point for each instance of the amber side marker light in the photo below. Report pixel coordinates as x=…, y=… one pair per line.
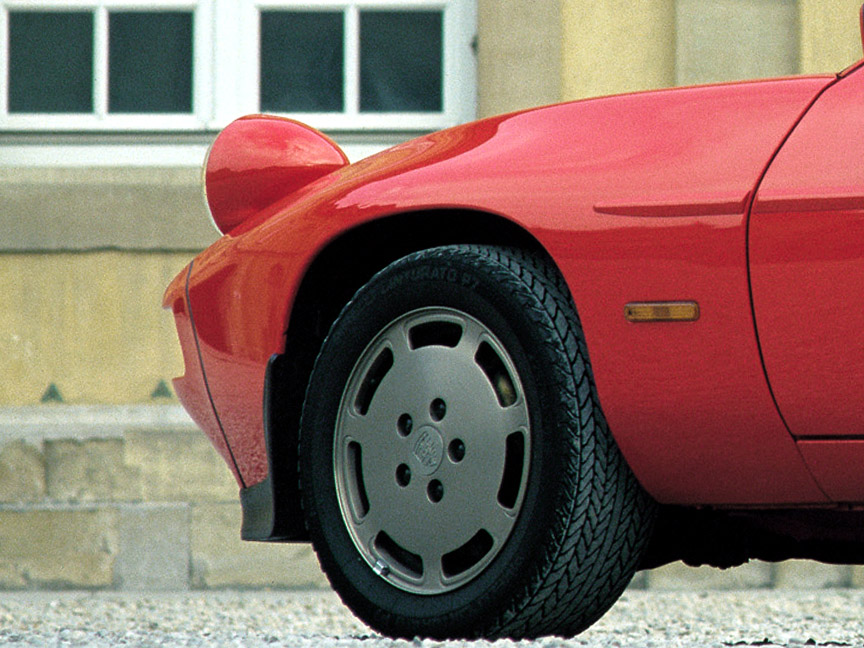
x=677, y=311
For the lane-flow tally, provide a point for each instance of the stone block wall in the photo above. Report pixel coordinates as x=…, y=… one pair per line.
x=135, y=498
x=131, y=498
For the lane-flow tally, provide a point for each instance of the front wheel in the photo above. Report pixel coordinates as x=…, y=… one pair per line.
x=457, y=473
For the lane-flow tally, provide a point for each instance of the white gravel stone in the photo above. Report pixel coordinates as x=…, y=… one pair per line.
x=318, y=620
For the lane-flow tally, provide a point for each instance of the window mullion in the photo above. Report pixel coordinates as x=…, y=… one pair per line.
x=235, y=39
x=203, y=85
x=100, y=62
x=352, y=61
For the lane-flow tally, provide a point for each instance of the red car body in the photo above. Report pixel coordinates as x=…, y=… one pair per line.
x=647, y=197
x=744, y=201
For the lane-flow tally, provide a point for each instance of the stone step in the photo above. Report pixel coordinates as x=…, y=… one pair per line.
x=136, y=498
x=128, y=498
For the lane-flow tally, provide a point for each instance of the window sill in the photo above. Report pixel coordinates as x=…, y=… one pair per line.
x=62, y=149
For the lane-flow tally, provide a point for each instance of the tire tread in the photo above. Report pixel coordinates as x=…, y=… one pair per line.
x=603, y=518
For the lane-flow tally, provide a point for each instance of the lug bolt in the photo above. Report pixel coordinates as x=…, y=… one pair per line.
x=438, y=409
x=403, y=475
x=456, y=450
x=404, y=425
x=435, y=491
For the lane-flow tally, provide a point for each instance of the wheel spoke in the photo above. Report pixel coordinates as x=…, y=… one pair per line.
x=499, y=522
x=367, y=529
x=397, y=339
x=472, y=334
x=513, y=418
x=355, y=426
x=433, y=576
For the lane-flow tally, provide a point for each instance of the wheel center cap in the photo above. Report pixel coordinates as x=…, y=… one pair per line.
x=428, y=449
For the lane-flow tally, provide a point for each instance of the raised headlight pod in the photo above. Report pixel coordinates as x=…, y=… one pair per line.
x=259, y=159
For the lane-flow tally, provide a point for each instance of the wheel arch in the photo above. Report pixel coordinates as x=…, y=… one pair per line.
x=350, y=260
x=271, y=510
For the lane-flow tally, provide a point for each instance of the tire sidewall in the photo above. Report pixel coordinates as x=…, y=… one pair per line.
x=471, y=282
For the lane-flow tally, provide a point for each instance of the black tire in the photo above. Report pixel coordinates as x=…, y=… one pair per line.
x=580, y=520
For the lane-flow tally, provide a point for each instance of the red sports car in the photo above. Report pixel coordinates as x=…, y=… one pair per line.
x=492, y=372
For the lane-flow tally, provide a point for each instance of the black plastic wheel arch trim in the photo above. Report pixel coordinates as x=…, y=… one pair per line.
x=271, y=508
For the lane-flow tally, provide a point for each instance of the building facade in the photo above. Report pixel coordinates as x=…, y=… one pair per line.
x=108, y=107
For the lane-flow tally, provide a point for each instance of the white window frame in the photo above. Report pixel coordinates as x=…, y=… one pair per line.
x=101, y=119
x=458, y=69
x=226, y=38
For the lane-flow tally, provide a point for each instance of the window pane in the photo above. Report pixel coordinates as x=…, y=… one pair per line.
x=400, y=61
x=150, y=62
x=50, y=62
x=301, y=61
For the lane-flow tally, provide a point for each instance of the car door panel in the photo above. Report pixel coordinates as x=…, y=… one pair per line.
x=806, y=244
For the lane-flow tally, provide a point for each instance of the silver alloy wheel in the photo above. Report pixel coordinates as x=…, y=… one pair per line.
x=431, y=451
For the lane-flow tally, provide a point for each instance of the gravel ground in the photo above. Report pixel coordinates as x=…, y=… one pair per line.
x=307, y=619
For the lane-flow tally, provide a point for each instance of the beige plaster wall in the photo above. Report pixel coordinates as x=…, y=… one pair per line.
x=86, y=252
x=91, y=323
x=613, y=46
x=830, y=36
x=616, y=46
x=84, y=258
x=727, y=40
x=518, y=54
x=95, y=208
